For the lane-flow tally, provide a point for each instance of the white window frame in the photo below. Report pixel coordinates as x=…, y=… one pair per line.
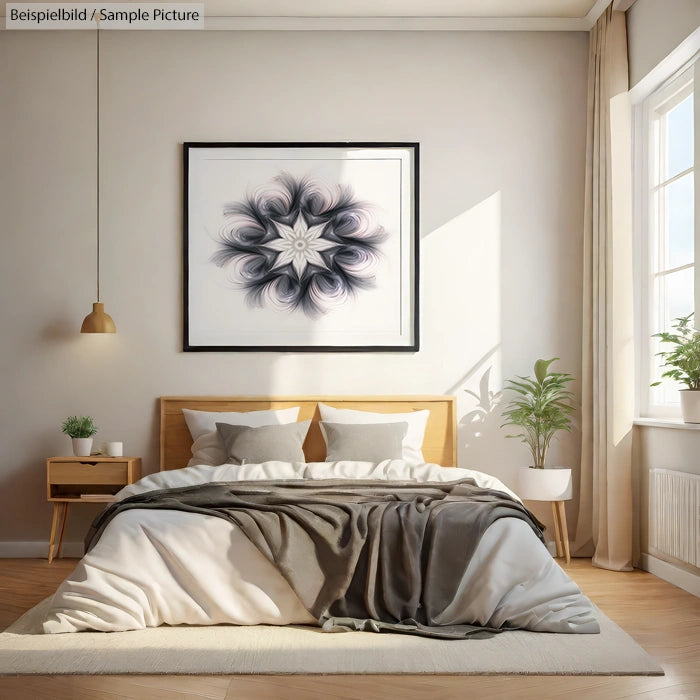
x=662, y=99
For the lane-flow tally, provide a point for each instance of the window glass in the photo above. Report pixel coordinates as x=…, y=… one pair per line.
x=679, y=295
x=679, y=138
x=680, y=213
x=666, y=393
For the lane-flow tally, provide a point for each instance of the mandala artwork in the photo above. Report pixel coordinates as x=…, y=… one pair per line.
x=300, y=245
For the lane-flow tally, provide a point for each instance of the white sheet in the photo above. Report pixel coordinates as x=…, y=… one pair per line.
x=170, y=567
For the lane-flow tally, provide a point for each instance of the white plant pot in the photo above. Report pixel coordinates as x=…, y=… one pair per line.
x=82, y=447
x=544, y=484
x=690, y=405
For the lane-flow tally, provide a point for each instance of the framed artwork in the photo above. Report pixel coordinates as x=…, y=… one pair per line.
x=301, y=247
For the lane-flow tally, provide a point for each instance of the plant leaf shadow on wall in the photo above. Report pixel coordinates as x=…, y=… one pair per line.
x=478, y=426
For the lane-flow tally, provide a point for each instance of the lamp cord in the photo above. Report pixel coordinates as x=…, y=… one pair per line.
x=98, y=160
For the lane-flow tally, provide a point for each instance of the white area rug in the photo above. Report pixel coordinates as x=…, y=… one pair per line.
x=265, y=649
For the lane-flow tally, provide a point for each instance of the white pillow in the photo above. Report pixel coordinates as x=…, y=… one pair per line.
x=412, y=442
x=208, y=447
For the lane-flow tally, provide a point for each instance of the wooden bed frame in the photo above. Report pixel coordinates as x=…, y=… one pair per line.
x=439, y=443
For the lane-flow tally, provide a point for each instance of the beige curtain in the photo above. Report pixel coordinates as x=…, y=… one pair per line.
x=604, y=527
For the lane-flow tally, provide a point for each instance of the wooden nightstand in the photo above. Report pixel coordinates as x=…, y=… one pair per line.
x=84, y=480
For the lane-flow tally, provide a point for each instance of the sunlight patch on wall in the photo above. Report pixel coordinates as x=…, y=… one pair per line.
x=461, y=283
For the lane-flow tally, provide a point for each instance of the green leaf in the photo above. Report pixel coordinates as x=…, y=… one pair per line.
x=79, y=427
x=541, y=367
x=541, y=407
x=682, y=360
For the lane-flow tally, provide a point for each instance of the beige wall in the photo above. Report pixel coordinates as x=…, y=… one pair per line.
x=654, y=29
x=500, y=118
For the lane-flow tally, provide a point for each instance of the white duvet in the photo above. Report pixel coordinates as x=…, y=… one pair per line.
x=154, y=567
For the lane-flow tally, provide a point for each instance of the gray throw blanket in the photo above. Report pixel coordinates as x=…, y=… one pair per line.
x=363, y=555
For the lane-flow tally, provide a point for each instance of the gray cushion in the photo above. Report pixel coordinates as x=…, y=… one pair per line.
x=363, y=442
x=245, y=445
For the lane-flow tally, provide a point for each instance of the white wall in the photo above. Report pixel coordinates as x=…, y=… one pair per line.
x=654, y=29
x=500, y=118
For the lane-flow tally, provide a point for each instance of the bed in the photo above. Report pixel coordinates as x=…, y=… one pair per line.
x=277, y=535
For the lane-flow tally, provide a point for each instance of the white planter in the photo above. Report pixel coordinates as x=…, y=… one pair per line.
x=544, y=484
x=690, y=405
x=82, y=447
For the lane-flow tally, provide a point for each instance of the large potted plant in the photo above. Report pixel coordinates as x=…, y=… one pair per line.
x=80, y=430
x=683, y=362
x=542, y=407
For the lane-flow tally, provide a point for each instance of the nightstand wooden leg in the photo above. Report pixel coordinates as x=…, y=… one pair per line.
x=64, y=517
x=58, y=526
x=564, y=530
x=557, y=530
x=54, y=528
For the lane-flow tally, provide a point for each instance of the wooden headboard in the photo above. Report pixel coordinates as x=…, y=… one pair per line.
x=439, y=444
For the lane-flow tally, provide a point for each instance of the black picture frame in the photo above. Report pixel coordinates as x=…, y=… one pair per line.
x=301, y=247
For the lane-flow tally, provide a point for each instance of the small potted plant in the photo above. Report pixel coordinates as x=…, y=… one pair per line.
x=542, y=406
x=80, y=429
x=683, y=362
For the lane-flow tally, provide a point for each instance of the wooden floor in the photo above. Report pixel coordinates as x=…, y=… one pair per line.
x=662, y=618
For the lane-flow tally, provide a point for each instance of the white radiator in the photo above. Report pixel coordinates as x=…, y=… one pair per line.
x=674, y=514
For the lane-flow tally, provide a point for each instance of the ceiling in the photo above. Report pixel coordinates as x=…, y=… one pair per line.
x=398, y=8
x=382, y=8
x=362, y=14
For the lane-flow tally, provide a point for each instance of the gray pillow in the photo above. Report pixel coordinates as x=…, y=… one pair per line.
x=246, y=445
x=363, y=442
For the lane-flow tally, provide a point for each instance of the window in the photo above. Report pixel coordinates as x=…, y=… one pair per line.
x=667, y=214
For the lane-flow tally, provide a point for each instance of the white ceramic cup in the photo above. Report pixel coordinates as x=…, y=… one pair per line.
x=114, y=449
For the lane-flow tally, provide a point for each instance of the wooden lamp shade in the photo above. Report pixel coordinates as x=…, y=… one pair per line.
x=98, y=321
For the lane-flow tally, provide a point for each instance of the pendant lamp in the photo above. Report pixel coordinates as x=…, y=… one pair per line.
x=98, y=321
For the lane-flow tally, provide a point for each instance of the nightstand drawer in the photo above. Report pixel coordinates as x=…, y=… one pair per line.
x=81, y=473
